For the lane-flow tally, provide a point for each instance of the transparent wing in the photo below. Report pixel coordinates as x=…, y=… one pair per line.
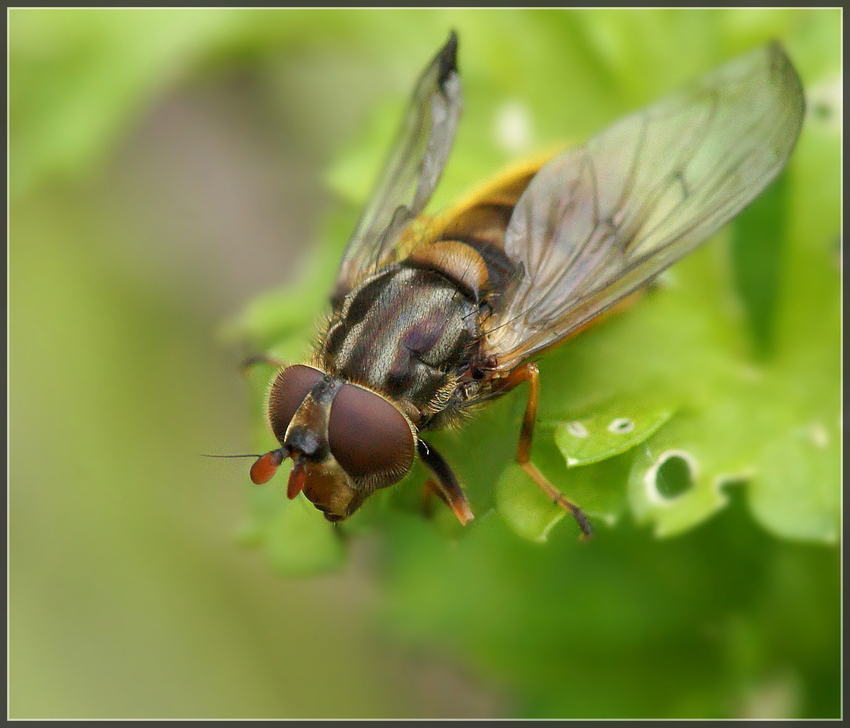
x=598, y=221
x=412, y=171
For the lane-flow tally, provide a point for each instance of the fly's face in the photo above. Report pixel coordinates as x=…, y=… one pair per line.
x=345, y=441
x=430, y=319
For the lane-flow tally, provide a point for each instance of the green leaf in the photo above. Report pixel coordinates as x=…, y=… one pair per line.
x=795, y=494
x=677, y=479
x=598, y=489
x=609, y=430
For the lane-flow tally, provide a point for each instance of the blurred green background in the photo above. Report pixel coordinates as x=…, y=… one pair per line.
x=169, y=166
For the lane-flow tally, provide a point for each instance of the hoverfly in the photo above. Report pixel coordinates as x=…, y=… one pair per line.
x=431, y=319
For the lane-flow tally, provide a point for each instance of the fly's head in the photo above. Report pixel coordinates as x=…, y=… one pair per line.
x=345, y=441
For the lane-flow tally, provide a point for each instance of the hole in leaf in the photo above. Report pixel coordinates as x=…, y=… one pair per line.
x=621, y=426
x=673, y=477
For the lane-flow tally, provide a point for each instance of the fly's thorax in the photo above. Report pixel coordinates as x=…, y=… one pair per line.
x=405, y=333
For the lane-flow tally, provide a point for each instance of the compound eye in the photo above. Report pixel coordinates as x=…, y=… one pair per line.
x=290, y=388
x=369, y=436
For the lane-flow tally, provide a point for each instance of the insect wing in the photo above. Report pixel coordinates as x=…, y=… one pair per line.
x=598, y=221
x=411, y=173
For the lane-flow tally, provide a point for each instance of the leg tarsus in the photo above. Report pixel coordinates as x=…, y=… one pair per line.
x=559, y=498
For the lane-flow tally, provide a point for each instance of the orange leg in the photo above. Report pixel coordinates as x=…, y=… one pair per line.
x=529, y=373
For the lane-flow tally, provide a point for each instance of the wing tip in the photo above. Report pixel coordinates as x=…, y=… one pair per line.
x=447, y=58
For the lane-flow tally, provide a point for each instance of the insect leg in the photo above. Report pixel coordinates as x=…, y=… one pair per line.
x=529, y=373
x=444, y=483
x=252, y=360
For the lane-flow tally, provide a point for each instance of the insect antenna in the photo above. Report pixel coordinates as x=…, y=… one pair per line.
x=250, y=455
x=264, y=466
